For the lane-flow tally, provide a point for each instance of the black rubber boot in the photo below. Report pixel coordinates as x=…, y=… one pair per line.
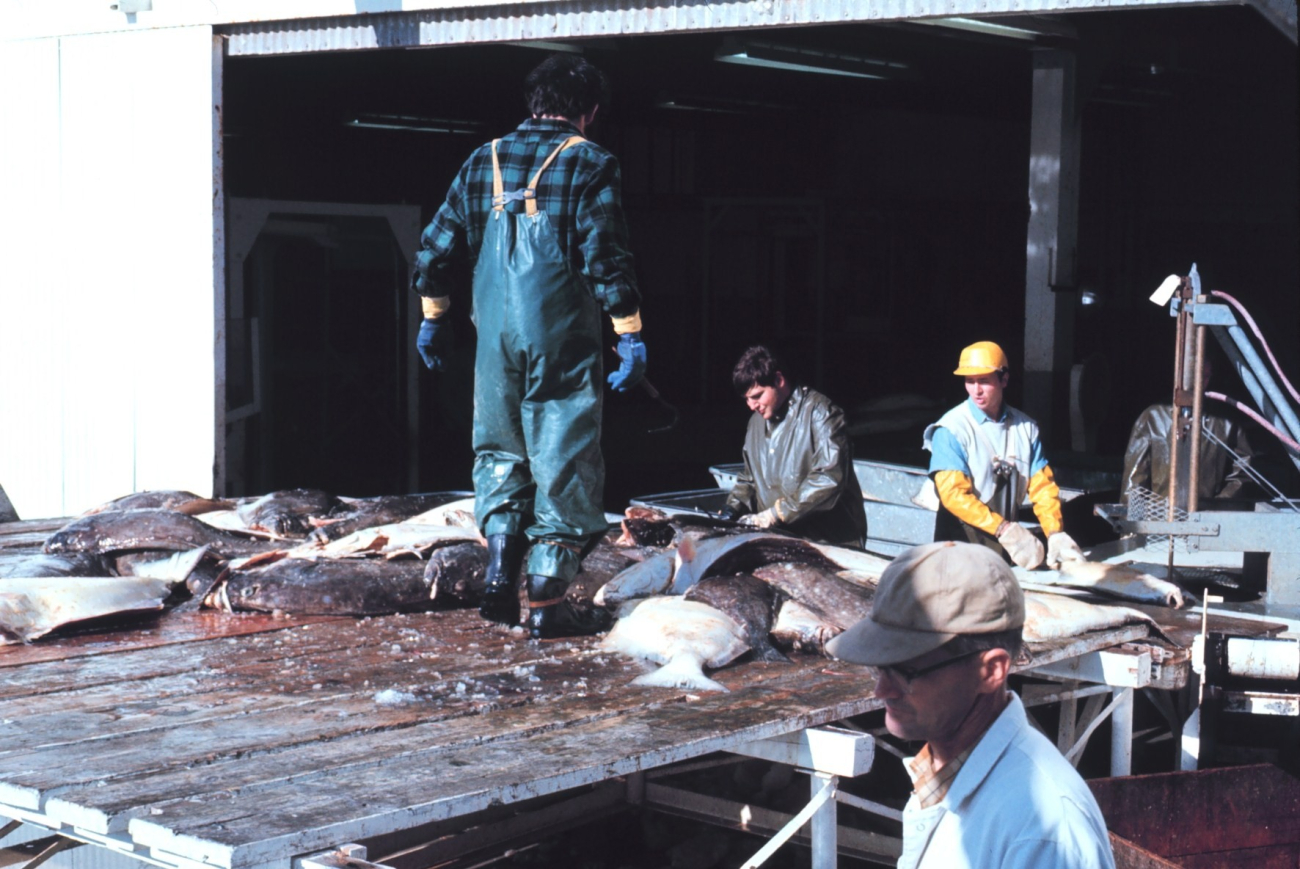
x=545, y=597
x=500, y=595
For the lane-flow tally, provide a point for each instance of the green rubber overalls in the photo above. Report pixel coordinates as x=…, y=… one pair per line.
x=537, y=397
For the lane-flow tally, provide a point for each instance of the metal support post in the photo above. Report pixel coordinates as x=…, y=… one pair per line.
x=1121, y=733
x=1055, y=131
x=824, y=823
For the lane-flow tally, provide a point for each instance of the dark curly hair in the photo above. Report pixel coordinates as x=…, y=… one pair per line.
x=757, y=366
x=566, y=85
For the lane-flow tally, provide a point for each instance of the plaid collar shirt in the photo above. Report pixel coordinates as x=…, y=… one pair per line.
x=930, y=785
x=580, y=192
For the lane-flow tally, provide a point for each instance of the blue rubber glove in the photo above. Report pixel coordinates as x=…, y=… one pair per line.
x=631, y=368
x=435, y=343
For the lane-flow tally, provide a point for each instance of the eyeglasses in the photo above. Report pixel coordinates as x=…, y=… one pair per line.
x=903, y=676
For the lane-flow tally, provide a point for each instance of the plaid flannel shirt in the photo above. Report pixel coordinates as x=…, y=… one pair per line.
x=580, y=192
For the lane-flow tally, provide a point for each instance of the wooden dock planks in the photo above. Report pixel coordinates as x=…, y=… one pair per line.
x=240, y=742
x=243, y=751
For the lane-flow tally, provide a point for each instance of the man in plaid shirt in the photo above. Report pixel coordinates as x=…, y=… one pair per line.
x=534, y=221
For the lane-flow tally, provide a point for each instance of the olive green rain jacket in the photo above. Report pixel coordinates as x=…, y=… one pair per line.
x=1146, y=460
x=801, y=463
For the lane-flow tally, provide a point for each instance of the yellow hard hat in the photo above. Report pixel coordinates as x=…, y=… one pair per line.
x=982, y=357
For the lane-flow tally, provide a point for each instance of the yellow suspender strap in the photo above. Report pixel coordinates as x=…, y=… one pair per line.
x=530, y=203
x=498, y=188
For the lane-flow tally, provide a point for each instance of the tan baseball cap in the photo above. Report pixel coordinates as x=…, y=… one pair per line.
x=928, y=595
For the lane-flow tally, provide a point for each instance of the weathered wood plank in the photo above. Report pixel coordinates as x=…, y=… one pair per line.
x=66, y=751
x=232, y=831
x=107, y=806
x=167, y=630
x=449, y=629
x=319, y=677
x=87, y=755
x=1041, y=654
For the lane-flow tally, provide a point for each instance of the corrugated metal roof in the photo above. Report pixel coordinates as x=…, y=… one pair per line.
x=582, y=19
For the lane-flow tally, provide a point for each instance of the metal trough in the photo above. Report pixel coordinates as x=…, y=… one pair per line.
x=1232, y=816
x=900, y=502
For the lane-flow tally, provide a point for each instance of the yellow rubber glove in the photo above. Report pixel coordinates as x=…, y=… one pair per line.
x=957, y=494
x=1045, y=495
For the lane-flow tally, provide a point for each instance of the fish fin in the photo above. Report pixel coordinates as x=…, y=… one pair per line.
x=686, y=551
x=175, y=568
x=771, y=655
x=683, y=573
x=681, y=672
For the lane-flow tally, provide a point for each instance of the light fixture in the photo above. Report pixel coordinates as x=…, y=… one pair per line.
x=718, y=105
x=548, y=46
x=979, y=25
x=801, y=59
x=416, y=124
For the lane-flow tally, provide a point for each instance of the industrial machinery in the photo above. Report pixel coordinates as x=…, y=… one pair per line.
x=1268, y=536
x=1256, y=676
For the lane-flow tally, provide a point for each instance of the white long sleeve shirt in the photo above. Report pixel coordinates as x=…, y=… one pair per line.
x=1016, y=803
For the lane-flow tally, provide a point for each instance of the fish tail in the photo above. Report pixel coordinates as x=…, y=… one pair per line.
x=680, y=672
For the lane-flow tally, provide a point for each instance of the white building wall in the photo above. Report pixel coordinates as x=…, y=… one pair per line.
x=107, y=209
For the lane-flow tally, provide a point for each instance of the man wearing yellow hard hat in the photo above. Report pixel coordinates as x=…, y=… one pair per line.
x=985, y=456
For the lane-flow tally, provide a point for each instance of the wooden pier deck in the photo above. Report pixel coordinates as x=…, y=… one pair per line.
x=205, y=739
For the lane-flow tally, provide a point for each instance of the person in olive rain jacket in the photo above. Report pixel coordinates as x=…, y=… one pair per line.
x=798, y=474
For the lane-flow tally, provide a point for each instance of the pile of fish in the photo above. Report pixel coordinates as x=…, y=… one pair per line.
x=688, y=592
x=297, y=551
x=770, y=593
x=717, y=592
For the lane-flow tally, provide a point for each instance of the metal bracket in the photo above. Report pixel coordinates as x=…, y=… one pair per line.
x=1125, y=666
x=1208, y=314
x=832, y=750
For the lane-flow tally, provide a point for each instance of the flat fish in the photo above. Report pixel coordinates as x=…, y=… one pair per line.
x=740, y=553
x=31, y=607
x=599, y=566
x=397, y=539
x=800, y=627
x=694, y=560
x=750, y=602
x=355, y=514
x=1114, y=580
x=459, y=513
x=864, y=566
x=288, y=512
x=163, y=499
x=651, y=576
x=148, y=529
x=646, y=526
x=1054, y=617
x=457, y=574
x=356, y=587
x=41, y=564
x=840, y=603
x=201, y=570
x=683, y=635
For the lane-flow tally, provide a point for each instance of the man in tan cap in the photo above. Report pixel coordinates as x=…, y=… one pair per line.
x=988, y=789
x=985, y=457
